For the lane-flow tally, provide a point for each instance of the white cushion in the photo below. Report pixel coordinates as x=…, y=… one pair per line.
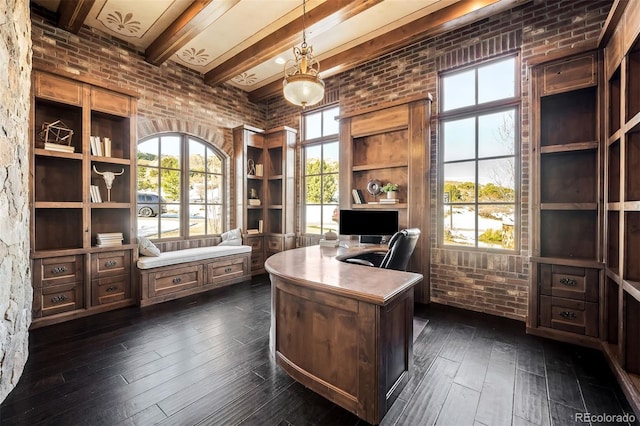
x=147, y=248
x=231, y=238
x=189, y=255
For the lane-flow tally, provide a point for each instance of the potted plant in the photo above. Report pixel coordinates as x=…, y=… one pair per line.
x=390, y=189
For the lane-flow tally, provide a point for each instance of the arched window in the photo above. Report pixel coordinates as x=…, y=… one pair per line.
x=181, y=187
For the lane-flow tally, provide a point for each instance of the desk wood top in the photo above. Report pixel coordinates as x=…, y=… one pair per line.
x=320, y=268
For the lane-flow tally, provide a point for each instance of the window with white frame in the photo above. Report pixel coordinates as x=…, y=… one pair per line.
x=320, y=159
x=180, y=187
x=479, y=142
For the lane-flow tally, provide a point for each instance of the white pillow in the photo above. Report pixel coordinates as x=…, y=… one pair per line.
x=231, y=238
x=147, y=248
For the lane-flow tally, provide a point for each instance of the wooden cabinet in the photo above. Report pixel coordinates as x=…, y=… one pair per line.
x=65, y=218
x=567, y=203
x=621, y=340
x=265, y=190
x=390, y=143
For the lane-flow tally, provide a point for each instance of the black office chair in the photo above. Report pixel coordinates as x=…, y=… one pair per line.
x=401, y=246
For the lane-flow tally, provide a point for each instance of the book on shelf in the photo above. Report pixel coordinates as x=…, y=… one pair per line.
x=253, y=231
x=356, y=196
x=109, y=239
x=58, y=147
x=98, y=147
x=260, y=225
x=95, y=194
x=388, y=201
x=372, y=202
x=107, y=147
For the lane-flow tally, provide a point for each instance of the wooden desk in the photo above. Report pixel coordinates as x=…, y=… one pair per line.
x=343, y=330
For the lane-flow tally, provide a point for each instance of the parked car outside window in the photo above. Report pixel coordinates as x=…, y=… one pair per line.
x=149, y=204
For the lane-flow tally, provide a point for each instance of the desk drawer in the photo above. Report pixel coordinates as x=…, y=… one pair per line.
x=569, y=282
x=110, y=264
x=57, y=270
x=174, y=280
x=110, y=289
x=57, y=299
x=574, y=316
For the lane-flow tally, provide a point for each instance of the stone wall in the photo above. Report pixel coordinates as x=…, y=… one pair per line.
x=472, y=279
x=15, y=274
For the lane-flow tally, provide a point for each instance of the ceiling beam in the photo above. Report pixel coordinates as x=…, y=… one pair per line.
x=198, y=16
x=71, y=14
x=451, y=17
x=318, y=20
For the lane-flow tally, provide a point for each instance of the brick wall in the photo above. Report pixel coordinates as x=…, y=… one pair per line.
x=171, y=97
x=476, y=280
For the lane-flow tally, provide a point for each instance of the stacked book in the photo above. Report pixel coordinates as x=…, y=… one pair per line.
x=109, y=239
x=95, y=194
x=58, y=147
x=388, y=201
x=329, y=243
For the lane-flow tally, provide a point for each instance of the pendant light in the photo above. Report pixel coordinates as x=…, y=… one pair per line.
x=301, y=85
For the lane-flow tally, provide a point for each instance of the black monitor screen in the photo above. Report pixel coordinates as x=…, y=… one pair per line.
x=368, y=222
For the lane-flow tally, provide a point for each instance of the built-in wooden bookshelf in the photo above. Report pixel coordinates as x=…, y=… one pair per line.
x=567, y=199
x=621, y=343
x=68, y=279
x=265, y=165
x=387, y=143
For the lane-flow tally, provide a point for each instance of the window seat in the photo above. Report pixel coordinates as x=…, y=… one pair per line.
x=180, y=273
x=189, y=255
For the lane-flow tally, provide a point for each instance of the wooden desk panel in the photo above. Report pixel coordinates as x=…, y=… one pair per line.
x=343, y=330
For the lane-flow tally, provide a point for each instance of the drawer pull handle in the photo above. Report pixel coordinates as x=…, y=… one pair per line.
x=111, y=289
x=227, y=270
x=568, y=315
x=110, y=263
x=177, y=280
x=58, y=269
x=569, y=282
x=59, y=298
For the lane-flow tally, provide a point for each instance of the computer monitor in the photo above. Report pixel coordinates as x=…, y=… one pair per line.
x=369, y=225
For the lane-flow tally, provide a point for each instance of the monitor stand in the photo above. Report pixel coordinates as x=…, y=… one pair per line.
x=369, y=240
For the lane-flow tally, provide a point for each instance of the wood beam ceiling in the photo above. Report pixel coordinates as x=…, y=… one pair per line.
x=455, y=16
x=71, y=14
x=195, y=19
x=318, y=20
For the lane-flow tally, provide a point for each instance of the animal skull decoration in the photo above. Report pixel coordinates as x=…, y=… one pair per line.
x=108, y=180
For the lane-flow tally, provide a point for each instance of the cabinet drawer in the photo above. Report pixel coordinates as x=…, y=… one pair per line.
x=226, y=269
x=274, y=244
x=569, y=282
x=257, y=261
x=58, y=88
x=57, y=299
x=255, y=243
x=110, y=264
x=57, y=270
x=110, y=289
x=570, y=74
x=570, y=315
x=110, y=102
x=174, y=280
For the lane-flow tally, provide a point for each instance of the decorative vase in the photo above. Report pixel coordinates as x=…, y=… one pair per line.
x=391, y=195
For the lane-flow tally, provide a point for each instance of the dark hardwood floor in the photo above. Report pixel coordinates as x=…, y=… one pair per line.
x=205, y=360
